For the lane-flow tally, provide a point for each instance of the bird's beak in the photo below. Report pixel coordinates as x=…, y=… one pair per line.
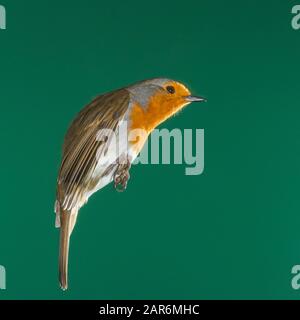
x=195, y=99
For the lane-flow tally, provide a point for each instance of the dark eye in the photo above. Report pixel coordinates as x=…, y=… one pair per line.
x=170, y=89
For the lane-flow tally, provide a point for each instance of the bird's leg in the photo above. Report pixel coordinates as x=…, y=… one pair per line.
x=122, y=176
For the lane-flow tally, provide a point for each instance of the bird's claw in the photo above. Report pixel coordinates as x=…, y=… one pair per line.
x=121, y=178
x=121, y=181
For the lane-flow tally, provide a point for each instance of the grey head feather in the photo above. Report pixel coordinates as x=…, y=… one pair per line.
x=140, y=92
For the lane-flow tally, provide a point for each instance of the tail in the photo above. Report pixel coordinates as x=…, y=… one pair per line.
x=66, y=222
x=65, y=218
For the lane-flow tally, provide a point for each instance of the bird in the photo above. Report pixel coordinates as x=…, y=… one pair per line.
x=89, y=158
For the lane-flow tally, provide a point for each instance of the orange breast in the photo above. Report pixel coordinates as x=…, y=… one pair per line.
x=138, y=132
x=146, y=119
x=158, y=110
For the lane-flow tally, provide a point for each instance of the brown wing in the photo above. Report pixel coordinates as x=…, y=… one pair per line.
x=81, y=145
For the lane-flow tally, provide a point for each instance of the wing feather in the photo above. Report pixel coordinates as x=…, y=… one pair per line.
x=82, y=147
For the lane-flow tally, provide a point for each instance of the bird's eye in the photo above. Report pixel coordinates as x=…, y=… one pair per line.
x=170, y=89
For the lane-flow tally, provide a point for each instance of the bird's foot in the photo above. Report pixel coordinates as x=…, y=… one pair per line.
x=121, y=177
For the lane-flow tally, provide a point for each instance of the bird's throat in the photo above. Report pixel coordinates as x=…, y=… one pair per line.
x=157, y=111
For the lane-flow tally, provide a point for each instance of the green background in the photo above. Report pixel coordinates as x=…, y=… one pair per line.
x=232, y=232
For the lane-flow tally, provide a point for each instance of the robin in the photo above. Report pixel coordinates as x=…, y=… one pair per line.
x=142, y=106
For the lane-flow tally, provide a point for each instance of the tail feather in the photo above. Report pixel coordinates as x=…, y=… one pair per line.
x=65, y=218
